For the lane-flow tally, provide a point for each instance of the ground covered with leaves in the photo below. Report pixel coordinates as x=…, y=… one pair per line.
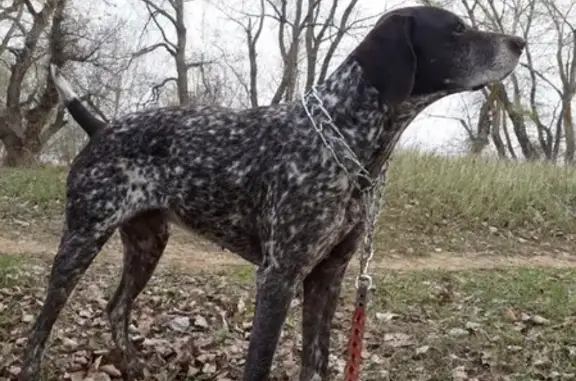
x=513, y=324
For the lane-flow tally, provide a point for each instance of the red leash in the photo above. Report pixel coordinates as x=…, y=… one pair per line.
x=371, y=201
x=355, y=344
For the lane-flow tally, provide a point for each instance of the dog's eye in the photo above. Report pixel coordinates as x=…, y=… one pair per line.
x=459, y=28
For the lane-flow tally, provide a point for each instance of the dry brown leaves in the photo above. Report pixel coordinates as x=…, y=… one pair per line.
x=184, y=328
x=197, y=327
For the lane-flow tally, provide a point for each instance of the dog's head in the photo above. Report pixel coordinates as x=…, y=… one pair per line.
x=423, y=50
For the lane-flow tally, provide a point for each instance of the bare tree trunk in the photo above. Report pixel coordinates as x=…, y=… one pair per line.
x=480, y=141
x=568, y=76
x=308, y=24
x=495, y=133
x=285, y=90
x=518, y=124
x=507, y=135
x=181, y=67
x=16, y=154
x=253, y=31
x=252, y=56
x=568, y=130
x=315, y=40
x=23, y=133
x=177, y=50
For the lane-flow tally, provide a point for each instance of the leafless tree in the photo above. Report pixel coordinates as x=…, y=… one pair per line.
x=498, y=17
x=252, y=26
x=174, y=16
x=565, y=57
x=308, y=34
x=23, y=122
x=534, y=103
x=40, y=35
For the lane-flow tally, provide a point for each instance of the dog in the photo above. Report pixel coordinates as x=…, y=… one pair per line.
x=278, y=185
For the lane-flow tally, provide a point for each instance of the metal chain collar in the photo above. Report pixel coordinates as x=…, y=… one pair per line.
x=371, y=194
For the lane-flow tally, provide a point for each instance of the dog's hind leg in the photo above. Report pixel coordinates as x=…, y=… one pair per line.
x=78, y=248
x=144, y=237
x=321, y=290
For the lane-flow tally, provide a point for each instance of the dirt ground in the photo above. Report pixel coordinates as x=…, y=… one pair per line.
x=194, y=254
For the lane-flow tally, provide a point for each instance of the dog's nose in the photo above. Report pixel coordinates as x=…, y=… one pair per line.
x=517, y=44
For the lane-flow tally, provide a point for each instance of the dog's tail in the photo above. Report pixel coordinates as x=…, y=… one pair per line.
x=88, y=122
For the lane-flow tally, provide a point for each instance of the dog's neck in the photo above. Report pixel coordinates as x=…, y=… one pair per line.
x=370, y=129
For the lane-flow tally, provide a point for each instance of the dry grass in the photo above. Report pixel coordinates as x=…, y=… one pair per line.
x=432, y=204
x=473, y=192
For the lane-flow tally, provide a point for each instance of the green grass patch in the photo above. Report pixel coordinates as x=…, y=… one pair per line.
x=534, y=290
x=243, y=274
x=35, y=191
x=10, y=265
x=486, y=324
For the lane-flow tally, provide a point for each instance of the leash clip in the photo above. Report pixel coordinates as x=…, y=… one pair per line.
x=364, y=280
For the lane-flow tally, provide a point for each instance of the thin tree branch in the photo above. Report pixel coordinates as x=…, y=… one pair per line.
x=151, y=48
x=30, y=7
x=159, y=10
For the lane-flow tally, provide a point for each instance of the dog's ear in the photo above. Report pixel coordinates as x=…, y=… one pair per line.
x=387, y=58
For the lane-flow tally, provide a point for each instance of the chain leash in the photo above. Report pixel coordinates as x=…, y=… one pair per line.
x=371, y=194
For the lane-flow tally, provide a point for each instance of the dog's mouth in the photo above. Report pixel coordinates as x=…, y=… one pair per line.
x=468, y=88
x=492, y=82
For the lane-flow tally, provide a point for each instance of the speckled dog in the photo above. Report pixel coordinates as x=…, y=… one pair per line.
x=264, y=183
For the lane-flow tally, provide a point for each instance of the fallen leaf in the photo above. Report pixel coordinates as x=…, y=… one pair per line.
x=69, y=344
x=509, y=314
x=458, y=332
x=525, y=317
x=386, y=316
x=209, y=368
x=241, y=306
x=472, y=326
x=200, y=321
x=539, y=320
x=459, y=374
x=77, y=376
x=111, y=370
x=14, y=370
x=397, y=340
x=98, y=376
x=85, y=313
x=422, y=350
x=179, y=323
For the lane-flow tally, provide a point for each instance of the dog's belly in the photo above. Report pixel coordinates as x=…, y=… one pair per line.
x=230, y=229
x=234, y=227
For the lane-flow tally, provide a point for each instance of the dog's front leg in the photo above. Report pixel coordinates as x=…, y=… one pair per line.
x=321, y=289
x=274, y=292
